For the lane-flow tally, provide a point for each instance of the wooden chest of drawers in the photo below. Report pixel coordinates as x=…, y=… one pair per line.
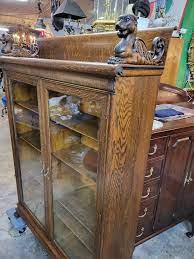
x=168, y=193
x=151, y=188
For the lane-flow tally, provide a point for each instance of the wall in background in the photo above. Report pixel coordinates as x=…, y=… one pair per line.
x=188, y=23
x=170, y=10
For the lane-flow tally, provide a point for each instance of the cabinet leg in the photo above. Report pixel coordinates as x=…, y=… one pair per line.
x=16, y=221
x=190, y=234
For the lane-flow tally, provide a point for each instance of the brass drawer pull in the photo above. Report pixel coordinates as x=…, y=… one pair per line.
x=179, y=141
x=145, y=213
x=188, y=180
x=148, y=193
x=151, y=173
x=155, y=147
x=142, y=232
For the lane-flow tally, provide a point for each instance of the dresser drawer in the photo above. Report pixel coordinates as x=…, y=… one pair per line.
x=157, y=147
x=151, y=189
x=147, y=209
x=144, y=230
x=153, y=170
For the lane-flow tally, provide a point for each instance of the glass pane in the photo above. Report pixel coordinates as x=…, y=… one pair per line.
x=74, y=124
x=28, y=142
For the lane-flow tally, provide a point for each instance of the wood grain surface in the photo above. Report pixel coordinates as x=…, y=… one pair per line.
x=172, y=61
x=96, y=47
x=129, y=139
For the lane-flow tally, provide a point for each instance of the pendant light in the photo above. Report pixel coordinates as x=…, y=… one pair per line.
x=70, y=10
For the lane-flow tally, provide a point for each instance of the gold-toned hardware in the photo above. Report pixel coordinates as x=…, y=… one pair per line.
x=188, y=178
x=145, y=213
x=155, y=150
x=103, y=25
x=47, y=172
x=180, y=140
x=142, y=231
x=151, y=173
x=148, y=193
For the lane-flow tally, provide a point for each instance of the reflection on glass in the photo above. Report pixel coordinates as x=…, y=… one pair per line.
x=28, y=142
x=74, y=140
x=109, y=9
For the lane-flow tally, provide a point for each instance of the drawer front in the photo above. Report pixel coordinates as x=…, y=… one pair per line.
x=147, y=209
x=144, y=230
x=157, y=147
x=151, y=189
x=153, y=170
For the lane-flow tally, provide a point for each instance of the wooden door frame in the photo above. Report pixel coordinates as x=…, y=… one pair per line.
x=31, y=80
x=96, y=95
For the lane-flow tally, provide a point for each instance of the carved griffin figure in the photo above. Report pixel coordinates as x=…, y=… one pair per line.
x=132, y=50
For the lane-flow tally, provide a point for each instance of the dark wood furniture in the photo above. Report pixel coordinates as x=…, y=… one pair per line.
x=168, y=179
x=69, y=118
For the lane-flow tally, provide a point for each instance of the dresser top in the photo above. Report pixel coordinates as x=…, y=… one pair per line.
x=177, y=125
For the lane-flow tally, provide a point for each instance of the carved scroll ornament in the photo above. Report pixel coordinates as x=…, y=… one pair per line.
x=132, y=50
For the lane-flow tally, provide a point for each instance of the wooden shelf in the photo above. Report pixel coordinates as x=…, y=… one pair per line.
x=26, y=117
x=32, y=138
x=81, y=209
x=26, y=124
x=28, y=106
x=69, y=242
x=90, y=143
x=84, y=124
x=84, y=235
x=73, y=157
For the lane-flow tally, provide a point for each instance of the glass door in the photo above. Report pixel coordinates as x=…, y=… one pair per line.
x=26, y=119
x=74, y=131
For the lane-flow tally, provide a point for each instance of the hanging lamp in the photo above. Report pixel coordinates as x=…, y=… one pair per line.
x=69, y=9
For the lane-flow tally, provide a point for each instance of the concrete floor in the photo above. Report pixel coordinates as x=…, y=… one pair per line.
x=172, y=244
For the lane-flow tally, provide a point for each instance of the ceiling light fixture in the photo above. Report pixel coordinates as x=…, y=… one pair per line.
x=69, y=10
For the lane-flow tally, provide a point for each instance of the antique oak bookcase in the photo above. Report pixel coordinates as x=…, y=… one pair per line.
x=90, y=183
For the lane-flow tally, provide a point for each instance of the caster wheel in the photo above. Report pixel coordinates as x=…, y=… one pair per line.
x=22, y=231
x=189, y=234
x=16, y=215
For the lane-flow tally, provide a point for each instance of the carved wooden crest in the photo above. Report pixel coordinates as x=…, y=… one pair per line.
x=132, y=50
